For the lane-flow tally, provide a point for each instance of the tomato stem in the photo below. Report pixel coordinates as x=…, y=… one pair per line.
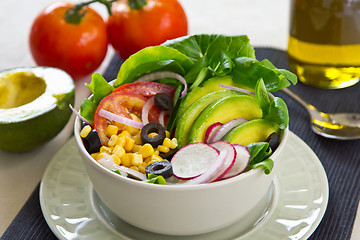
x=75, y=14
x=137, y=4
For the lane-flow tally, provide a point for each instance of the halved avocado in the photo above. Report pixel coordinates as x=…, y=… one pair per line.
x=224, y=110
x=186, y=121
x=253, y=131
x=34, y=106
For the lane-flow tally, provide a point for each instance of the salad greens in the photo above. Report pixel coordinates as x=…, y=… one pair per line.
x=198, y=58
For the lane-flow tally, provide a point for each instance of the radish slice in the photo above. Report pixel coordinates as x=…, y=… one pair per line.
x=218, y=135
x=163, y=74
x=236, y=89
x=120, y=119
x=241, y=161
x=109, y=164
x=193, y=160
x=211, y=171
x=229, y=161
x=210, y=131
x=146, y=109
x=79, y=115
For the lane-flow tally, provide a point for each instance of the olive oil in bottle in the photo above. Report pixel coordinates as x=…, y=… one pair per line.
x=324, y=42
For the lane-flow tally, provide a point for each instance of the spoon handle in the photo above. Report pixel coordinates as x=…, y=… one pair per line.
x=296, y=97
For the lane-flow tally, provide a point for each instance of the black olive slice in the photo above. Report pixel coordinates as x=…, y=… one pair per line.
x=273, y=140
x=153, y=127
x=163, y=168
x=168, y=155
x=163, y=101
x=92, y=142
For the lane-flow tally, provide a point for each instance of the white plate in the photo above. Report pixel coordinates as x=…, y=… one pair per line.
x=74, y=211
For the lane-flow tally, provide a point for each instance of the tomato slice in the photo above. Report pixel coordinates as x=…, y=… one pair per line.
x=146, y=89
x=121, y=103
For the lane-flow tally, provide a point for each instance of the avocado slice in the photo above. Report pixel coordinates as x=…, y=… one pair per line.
x=34, y=106
x=224, y=110
x=186, y=120
x=253, y=131
x=211, y=85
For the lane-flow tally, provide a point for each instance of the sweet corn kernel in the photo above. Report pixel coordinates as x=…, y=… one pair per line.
x=112, y=140
x=105, y=149
x=136, y=148
x=99, y=156
x=146, y=150
x=129, y=143
x=137, y=160
x=111, y=130
x=134, y=117
x=120, y=126
x=134, y=168
x=156, y=152
x=126, y=159
x=167, y=142
x=124, y=134
x=118, y=151
x=148, y=159
x=167, y=134
x=94, y=155
x=174, y=143
x=85, y=131
x=142, y=168
x=163, y=148
x=137, y=139
x=156, y=158
x=132, y=130
x=116, y=159
x=153, y=134
x=120, y=141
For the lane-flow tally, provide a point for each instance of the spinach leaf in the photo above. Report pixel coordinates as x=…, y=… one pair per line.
x=259, y=156
x=262, y=97
x=157, y=179
x=267, y=165
x=150, y=59
x=278, y=113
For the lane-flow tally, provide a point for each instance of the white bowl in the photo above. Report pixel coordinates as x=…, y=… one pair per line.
x=176, y=209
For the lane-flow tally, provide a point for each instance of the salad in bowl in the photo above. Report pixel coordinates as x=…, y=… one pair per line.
x=186, y=125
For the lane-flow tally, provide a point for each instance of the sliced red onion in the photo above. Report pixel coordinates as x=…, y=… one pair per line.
x=236, y=89
x=163, y=74
x=226, y=128
x=120, y=119
x=210, y=131
x=109, y=164
x=146, y=109
x=211, y=171
x=162, y=118
x=79, y=115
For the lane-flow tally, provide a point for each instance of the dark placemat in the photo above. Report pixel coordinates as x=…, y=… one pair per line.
x=339, y=158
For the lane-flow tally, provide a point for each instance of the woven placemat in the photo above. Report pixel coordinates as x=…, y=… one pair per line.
x=340, y=159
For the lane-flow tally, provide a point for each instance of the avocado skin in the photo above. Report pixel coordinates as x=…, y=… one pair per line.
x=224, y=110
x=26, y=135
x=257, y=130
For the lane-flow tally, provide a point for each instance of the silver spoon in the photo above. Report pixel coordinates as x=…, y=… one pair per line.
x=342, y=126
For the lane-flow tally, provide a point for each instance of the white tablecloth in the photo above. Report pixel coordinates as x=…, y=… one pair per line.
x=264, y=21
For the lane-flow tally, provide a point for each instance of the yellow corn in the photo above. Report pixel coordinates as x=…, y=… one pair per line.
x=167, y=142
x=146, y=150
x=148, y=159
x=163, y=148
x=134, y=168
x=137, y=160
x=142, y=167
x=118, y=151
x=111, y=130
x=105, y=149
x=132, y=130
x=137, y=139
x=136, y=148
x=174, y=143
x=129, y=143
x=94, y=155
x=156, y=152
x=156, y=158
x=124, y=134
x=120, y=141
x=116, y=159
x=85, y=131
x=112, y=140
x=126, y=159
x=153, y=134
x=167, y=134
x=99, y=156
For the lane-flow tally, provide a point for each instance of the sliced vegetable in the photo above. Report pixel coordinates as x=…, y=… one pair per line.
x=222, y=146
x=241, y=161
x=117, y=118
x=162, y=168
x=146, y=89
x=224, y=129
x=213, y=129
x=211, y=171
x=146, y=109
x=273, y=141
x=236, y=89
x=153, y=133
x=92, y=142
x=163, y=102
x=193, y=160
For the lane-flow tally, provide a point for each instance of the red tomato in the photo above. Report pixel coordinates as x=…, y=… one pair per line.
x=78, y=49
x=130, y=30
x=121, y=103
x=146, y=89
